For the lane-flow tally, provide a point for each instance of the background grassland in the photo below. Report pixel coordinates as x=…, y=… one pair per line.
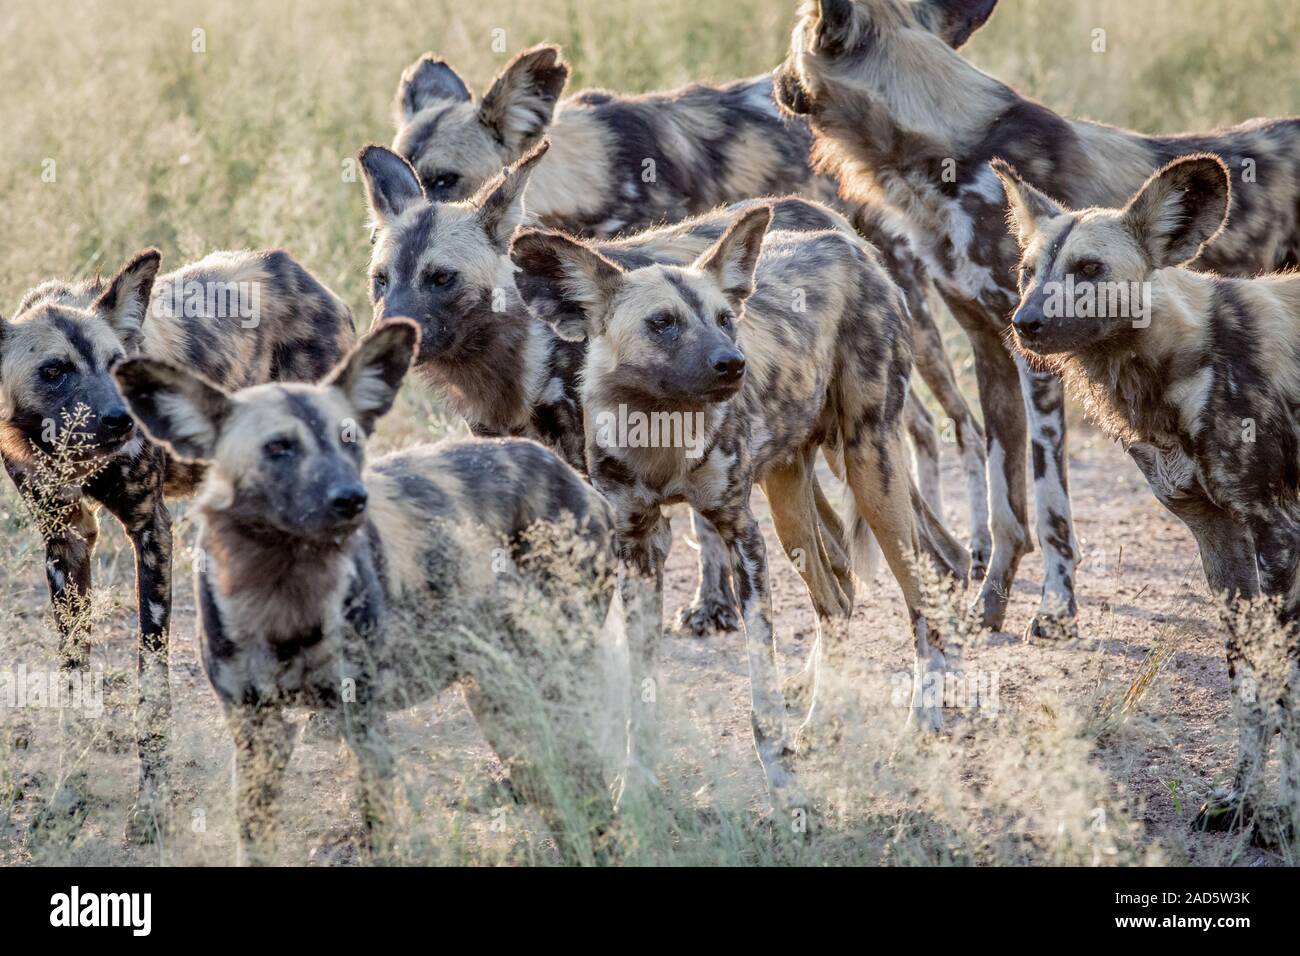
x=248, y=144
x=243, y=145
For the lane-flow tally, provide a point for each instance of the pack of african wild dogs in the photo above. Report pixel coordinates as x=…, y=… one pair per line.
x=752, y=264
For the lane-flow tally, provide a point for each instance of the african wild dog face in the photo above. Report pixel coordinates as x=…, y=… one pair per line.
x=57, y=355
x=285, y=459
x=869, y=42
x=443, y=265
x=1103, y=252
x=456, y=144
x=656, y=334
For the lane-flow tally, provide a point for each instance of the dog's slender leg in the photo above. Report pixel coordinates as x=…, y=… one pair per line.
x=1277, y=553
x=70, y=530
x=576, y=805
x=138, y=503
x=263, y=745
x=834, y=537
x=792, y=494
x=68, y=557
x=714, y=605
x=767, y=706
x=925, y=444
x=365, y=728
x=1289, y=747
x=1045, y=401
x=1238, y=806
x=1004, y=422
x=1262, y=675
x=1228, y=556
x=643, y=542
x=883, y=498
x=935, y=369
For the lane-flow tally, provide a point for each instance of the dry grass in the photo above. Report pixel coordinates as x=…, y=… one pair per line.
x=249, y=143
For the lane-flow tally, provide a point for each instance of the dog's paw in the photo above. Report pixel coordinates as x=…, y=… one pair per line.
x=1223, y=812
x=925, y=720
x=1052, y=627
x=709, y=614
x=990, y=607
x=143, y=824
x=59, y=820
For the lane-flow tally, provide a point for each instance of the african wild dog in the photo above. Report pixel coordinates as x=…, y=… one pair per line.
x=1200, y=384
x=622, y=164
x=495, y=363
x=359, y=590
x=509, y=373
x=719, y=340
x=238, y=318
x=898, y=113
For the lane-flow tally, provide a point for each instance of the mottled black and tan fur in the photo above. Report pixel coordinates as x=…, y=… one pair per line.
x=899, y=115
x=506, y=372
x=358, y=589
x=1202, y=388
x=783, y=343
x=620, y=164
x=268, y=319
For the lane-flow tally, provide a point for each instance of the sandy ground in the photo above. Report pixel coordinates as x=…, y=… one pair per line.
x=1141, y=586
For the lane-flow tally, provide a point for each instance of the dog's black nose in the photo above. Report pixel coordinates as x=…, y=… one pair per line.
x=117, y=423
x=729, y=364
x=1028, y=325
x=348, y=501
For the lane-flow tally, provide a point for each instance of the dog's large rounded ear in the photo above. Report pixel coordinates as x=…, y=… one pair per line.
x=176, y=408
x=125, y=302
x=521, y=101
x=1181, y=208
x=370, y=376
x=956, y=20
x=732, y=259
x=836, y=28
x=1027, y=208
x=427, y=81
x=501, y=202
x=392, y=185
x=565, y=283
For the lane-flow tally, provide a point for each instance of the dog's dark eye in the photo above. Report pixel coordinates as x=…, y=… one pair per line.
x=663, y=322
x=441, y=278
x=381, y=282
x=446, y=180
x=725, y=318
x=1089, y=268
x=53, y=371
x=278, y=449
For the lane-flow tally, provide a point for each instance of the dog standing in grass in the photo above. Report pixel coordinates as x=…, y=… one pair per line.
x=69, y=443
x=899, y=114
x=361, y=590
x=621, y=164
x=723, y=345
x=1199, y=376
x=508, y=371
